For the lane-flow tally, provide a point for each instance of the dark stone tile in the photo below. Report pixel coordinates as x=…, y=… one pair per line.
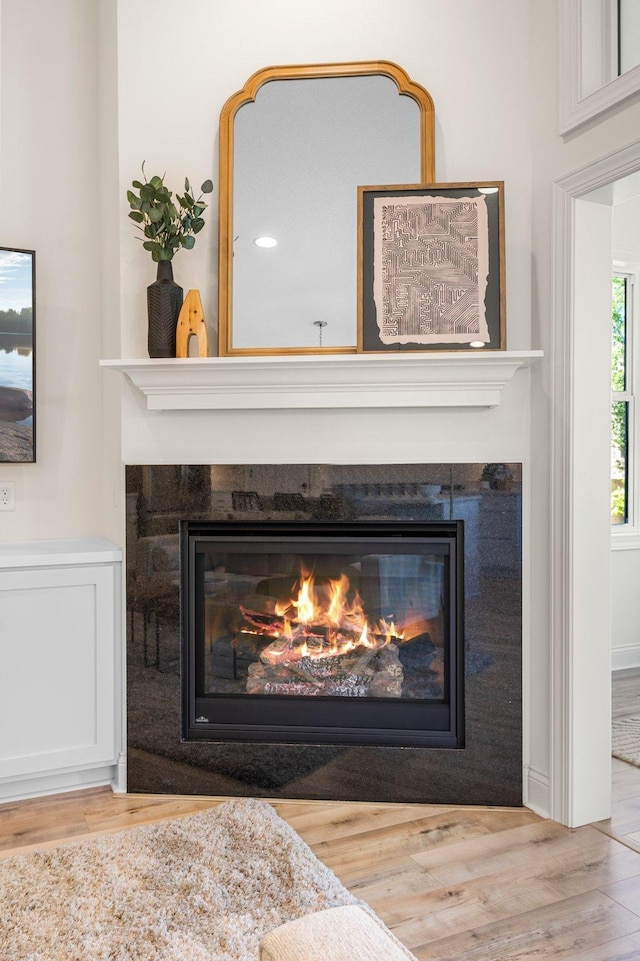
x=489, y=768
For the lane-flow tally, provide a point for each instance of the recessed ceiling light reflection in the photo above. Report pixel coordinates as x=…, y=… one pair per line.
x=477, y=343
x=488, y=190
x=265, y=242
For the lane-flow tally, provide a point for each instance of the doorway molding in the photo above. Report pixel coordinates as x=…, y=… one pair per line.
x=580, y=744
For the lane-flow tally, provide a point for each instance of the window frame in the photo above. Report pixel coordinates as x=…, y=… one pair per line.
x=627, y=536
x=596, y=20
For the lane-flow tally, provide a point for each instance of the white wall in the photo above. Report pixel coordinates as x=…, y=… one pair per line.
x=461, y=51
x=50, y=201
x=625, y=578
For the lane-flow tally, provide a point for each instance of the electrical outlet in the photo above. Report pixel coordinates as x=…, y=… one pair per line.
x=7, y=496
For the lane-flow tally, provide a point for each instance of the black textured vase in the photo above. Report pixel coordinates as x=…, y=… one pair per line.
x=164, y=300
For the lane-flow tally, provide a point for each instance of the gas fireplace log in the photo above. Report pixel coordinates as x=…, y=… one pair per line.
x=274, y=687
x=328, y=666
x=311, y=647
x=382, y=686
x=272, y=625
x=305, y=675
x=282, y=673
x=350, y=686
x=269, y=624
x=388, y=654
x=361, y=663
x=260, y=674
x=344, y=676
x=279, y=651
x=355, y=688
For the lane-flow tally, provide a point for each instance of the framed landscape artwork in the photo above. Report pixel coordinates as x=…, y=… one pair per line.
x=17, y=369
x=431, y=267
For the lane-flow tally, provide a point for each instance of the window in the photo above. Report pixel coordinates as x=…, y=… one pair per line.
x=625, y=416
x=601, y=57
x=621, y=396
x=628, y=35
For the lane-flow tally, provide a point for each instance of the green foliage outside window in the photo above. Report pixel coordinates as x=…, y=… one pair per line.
x=619, y=409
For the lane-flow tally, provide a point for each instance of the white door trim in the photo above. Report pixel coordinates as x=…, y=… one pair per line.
x=571, y=787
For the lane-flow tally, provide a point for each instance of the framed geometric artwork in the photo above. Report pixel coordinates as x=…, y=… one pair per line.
x=431, y=267
x=17, y=367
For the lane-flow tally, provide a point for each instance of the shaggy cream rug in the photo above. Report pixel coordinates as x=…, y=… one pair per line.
x=625, y=739
x=204, y=887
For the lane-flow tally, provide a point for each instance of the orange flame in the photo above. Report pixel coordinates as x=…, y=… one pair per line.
x=325, y=620
x=304, y=604
x=337, y=599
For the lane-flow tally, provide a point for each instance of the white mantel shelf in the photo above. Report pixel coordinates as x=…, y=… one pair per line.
x=437, y=379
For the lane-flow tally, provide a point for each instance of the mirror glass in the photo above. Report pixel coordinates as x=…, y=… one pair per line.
x=300, y=150
x=628, y=35
x=609, y=42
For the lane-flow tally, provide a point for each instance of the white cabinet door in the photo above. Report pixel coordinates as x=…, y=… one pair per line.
x=57, y=669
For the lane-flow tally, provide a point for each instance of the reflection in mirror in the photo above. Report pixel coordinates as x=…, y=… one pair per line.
x=628, y=35
x=300, y=149
x=609, y=42
x=600, y=58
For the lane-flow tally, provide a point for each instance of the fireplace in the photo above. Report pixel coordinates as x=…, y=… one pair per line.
x=323, y=632
x=458, y=742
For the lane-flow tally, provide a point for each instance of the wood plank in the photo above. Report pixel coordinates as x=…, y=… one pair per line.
x=425, y=833
x=46, y=823
x=550, y=933
x=625, y=817
x=625, y=782
x=598, y=866
x=624, y=823
x=347, y=819
x=394, y=886
x=626, y=692
x=625, y=892
x=454, y=908
x=505, y=851
x=621, y=949
x=24, y=823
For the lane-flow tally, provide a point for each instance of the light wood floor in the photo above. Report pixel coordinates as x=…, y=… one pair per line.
x=624, y=823
x=455, y=884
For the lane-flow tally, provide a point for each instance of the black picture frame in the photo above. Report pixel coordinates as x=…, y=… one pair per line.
x=17, y=355
x=431, y=271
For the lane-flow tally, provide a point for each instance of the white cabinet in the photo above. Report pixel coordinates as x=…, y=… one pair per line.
x=60, y=664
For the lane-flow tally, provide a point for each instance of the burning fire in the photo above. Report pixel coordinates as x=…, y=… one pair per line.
x=325, y=619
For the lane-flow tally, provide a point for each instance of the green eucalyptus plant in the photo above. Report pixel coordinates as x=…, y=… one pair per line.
x=167, y=224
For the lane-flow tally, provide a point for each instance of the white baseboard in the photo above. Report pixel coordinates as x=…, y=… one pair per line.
x=537, y=791
x=60, y=782
x=119, y=782
x=624, y=658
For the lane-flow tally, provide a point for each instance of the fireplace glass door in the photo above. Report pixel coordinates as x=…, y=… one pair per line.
x=344, y=633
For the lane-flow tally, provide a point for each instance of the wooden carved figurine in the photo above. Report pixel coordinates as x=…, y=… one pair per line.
x=191, y=322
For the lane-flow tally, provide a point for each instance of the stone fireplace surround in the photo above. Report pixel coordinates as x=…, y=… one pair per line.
x=489, y=768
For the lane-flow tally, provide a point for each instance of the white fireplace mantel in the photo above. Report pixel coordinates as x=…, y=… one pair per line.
x=435, y=379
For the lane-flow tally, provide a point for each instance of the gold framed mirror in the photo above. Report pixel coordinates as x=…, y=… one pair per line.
x=295, y=143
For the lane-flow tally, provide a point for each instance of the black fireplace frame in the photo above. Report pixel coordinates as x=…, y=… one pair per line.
x=428, y=723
